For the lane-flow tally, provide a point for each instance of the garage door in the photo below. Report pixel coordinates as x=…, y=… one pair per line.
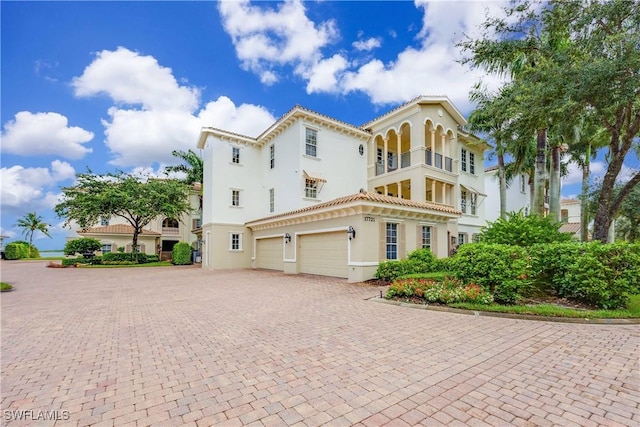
x=269, y=254
x=324, y=254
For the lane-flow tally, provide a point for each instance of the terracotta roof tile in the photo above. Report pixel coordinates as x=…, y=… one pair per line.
x=570, y=227
x=370, y=197
x=117, y=229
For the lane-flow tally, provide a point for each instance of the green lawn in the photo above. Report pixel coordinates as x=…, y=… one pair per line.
x=632, y=310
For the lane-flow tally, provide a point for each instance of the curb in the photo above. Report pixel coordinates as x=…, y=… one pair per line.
x=508, y=315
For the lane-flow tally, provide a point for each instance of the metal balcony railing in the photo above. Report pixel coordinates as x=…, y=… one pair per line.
x=427, y=157
x=448, y=164
x=438, y=160
x=405, y=159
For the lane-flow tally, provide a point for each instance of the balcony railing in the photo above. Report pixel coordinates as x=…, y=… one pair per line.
x=438, y=160
x=379, y=168
x=172, y=231
x=448, y=164
x=427, y=156
x=405, y=160
x=393, y=162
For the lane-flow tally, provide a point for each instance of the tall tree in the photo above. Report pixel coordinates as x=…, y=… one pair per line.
x=30, y=223
x=491, y=117
x=136, y=200
x=193, y=166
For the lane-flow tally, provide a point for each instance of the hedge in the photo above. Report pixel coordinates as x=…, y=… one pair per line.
x=181, y=254
x=139, y=258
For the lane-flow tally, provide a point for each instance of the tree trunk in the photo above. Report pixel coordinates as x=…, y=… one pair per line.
x=503, y=187
x=584, y=206
x=540, y=173
x=554, y=185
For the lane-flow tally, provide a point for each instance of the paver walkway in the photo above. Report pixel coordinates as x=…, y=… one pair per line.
x=183, y=346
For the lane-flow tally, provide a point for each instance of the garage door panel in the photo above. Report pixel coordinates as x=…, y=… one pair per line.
x=269, y=254
x=324, y=254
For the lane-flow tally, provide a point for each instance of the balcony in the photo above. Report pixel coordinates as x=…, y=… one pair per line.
x=170, y=231
x=405, y=159
x=438, y=161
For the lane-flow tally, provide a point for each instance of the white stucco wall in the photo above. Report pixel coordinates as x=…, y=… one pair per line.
x=516, y=199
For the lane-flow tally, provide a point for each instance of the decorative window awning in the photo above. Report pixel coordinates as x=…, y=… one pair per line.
x=472, y=190
x=317, y=178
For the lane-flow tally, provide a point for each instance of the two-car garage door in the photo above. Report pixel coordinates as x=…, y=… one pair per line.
x=324, y=254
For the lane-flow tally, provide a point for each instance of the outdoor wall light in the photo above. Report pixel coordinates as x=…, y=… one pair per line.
x=351, y=233
x=287, y=238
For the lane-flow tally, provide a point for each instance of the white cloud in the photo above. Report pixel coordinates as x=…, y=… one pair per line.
x=130, y=78
x=265, y=37
x=574, y=172
x=37, y=134
x=30, y=189
x=163, y=115
x=9, y=234
x=262, y=38
x=323, y=77
x=367, y=45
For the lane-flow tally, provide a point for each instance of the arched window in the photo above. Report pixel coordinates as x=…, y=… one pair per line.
x=170, y=223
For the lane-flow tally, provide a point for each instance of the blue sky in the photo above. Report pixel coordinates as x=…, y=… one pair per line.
x=119, y=85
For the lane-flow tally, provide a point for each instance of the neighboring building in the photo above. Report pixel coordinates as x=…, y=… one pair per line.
x=518, y=194
x=158, y=237
x=313, y=194
x=570, y=217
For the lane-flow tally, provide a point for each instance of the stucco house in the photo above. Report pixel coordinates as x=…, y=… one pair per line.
x=518, y=194
x=313, y=194
x=158, y=237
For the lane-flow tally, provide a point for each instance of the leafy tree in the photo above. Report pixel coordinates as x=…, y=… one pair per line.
x=522, y=230
x=82, y=245
x=30, y=223
x=126, y=196
x=566, y=58
x=194, y=167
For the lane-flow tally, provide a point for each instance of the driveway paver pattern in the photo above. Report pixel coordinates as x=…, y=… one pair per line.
x=186, y=346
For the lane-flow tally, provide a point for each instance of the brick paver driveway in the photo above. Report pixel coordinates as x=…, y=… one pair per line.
x=183, y=346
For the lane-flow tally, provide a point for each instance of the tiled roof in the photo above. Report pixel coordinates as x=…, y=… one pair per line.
x=491, y=168
x=570, y=202
x=417, y=99
x=371, y=197
x=570, y=227
x=116, y=229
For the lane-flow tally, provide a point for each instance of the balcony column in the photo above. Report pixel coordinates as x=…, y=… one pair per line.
x=399, y=146
x=433, y=191
x=433, y=146
x=442, y=139
x=444, y=193
x=386, y=190
x=385, y=154
x=399, y=185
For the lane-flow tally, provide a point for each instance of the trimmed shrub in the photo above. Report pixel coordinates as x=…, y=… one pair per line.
x=423, y=260
x=153, y=258
x=181, y=254
x=137, y=258
x=523, y=230
x=25, y=251
x=442, y=264
x=550, y=264
x=81, y=245
x=437, y=275
x=417, y=262
x=13, y=251
x=501, y=269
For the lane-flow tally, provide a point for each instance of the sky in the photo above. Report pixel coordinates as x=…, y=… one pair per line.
x=106, y=86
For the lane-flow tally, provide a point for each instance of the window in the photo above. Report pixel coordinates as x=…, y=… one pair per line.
x=463, y=160
x=272, y=200
x=235, y=197
x=272, y=156
x=522, y=183
x=475, y=237
x=311, y=142
x=104, y=221
x=106, y=248
x=361, y=149
x=462, y=239
x=392, y=241
x=426, y=237
x=472, y=203
x=379, y=156
x=463, y=201
x=564, y=215
x=236, y=242
x=310, y=188
x=235, y=155
x=472, y=163
x=170, y=223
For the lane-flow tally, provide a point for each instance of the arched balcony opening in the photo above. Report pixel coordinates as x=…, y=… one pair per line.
x=170, y=226
x=405, y=145
x=438, y=147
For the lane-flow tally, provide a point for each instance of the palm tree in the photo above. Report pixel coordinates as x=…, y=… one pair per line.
x=194, y=167
x=31, y=223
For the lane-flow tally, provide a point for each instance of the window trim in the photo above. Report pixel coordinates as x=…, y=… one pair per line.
x=272, y=156
x=308, y=188
x=272, y=200
x=473, y=204
x=235, y=155
x=472, y=163
x=232, y=236
x=427, y=237
x=463, y=201
x=463, y=159
x=392, y=247
x=311, y=143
